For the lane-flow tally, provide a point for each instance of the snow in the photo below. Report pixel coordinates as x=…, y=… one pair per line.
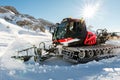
x=16, y=38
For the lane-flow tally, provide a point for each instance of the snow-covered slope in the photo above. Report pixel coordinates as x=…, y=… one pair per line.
x=11, y=15
x=13, y=38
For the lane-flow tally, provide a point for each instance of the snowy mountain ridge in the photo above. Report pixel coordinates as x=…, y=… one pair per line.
x=11, y=15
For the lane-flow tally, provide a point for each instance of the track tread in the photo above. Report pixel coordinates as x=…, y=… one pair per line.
x=105, y=51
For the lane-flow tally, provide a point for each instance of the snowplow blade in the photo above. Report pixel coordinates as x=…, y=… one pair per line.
x=23, y=58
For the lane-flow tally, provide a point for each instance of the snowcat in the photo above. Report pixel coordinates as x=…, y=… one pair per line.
x=74, y=43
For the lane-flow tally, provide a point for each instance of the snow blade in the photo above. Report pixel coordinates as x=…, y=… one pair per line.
x=23, y=58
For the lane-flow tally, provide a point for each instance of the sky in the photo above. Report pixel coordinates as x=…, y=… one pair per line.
x=106, y=16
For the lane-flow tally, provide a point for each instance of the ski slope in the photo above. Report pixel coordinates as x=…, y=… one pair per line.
x=13, y=38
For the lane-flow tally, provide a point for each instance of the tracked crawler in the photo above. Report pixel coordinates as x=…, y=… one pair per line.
x=89, y=53
x=73, y=42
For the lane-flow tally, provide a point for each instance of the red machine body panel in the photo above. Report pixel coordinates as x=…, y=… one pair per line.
x=90, y=39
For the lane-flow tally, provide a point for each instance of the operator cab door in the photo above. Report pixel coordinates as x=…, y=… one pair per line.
x=77, y=30
x=80, y=30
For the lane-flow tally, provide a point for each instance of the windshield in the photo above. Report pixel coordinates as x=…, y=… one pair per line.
x=60, y=31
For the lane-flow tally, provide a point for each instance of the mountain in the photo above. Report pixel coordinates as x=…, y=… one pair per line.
x=11, y=15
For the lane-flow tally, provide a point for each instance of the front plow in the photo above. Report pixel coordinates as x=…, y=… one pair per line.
x=39, y=54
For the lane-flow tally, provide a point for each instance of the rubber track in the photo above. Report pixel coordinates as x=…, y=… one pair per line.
x=105, y=51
